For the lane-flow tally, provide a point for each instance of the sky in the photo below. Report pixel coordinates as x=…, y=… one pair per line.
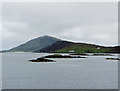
x=88, y=22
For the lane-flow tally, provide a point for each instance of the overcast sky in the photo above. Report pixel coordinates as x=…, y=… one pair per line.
x=77, y=22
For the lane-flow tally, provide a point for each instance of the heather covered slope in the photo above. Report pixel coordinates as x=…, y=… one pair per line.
x=35, y=44
x=56, y=46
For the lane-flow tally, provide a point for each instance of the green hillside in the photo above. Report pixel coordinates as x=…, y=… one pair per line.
x=86, y=48
x=68, y=47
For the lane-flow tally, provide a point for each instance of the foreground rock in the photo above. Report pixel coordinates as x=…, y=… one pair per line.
x=112, y=58
x=62, y=56
x=41, y=60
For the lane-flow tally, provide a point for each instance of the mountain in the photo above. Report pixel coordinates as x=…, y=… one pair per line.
x=52, y=44
x=56, y=46
x=66, y=47
x=35, y=44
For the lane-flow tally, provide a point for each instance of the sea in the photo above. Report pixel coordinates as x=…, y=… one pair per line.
x=93, y=72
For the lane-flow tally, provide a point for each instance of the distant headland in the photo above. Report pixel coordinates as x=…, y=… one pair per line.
x=48, y=44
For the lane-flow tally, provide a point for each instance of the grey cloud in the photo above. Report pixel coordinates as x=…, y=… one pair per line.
x=24, y=21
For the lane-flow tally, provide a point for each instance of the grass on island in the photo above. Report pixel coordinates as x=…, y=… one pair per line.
x=61, y=56
x=79, y=48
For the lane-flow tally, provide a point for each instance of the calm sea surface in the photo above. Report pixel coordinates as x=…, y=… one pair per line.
x=94, y=72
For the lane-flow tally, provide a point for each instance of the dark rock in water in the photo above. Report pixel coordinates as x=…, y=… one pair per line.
x=62, y=56
x=99, y=54
x=79, y=54
x=41, y=60
x=112, y=58
x=95, y=54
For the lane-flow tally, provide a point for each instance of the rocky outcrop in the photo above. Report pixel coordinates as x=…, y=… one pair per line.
x=62, y=56
x=41, y=60
x=112, y=58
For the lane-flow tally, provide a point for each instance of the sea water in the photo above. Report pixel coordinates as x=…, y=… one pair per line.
x=94, y=72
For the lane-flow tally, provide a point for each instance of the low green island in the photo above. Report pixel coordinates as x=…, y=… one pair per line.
x=43, y=59
x=62, y=56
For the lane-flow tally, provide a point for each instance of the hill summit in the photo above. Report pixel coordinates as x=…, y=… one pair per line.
x=35, y=44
